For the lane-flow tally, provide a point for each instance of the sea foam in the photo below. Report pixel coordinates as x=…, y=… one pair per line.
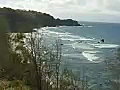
x=105, y=45
x=90, y=55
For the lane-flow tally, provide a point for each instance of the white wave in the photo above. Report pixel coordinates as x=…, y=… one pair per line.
x=68, y=35
x=72, y=55
x=89, y=26
x=72, y=36
x=50, y=27
x=76, y=39
x=64, y=36
x=90, y=55
x=60, y=34
x=69, y=39
x=82, y=46
x=67, y=44
x=86, y=39
x=105, y=45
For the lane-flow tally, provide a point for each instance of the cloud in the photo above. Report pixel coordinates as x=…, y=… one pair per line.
x=113, y=5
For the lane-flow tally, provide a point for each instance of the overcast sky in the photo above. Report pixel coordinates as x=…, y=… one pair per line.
x=82, y=10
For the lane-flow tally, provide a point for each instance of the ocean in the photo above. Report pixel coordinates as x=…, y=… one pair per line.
x=86, y=41
x=85, y=48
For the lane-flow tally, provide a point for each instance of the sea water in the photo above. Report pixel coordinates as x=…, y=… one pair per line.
x=82, y=48
x=86, y=41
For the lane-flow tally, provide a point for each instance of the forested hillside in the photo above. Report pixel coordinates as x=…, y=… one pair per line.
x=24, y=21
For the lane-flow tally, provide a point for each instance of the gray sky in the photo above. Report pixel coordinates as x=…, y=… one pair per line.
x=82, y=10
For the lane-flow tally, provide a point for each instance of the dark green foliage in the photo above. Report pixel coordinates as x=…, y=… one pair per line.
x=67, y=79
x=67, y=22
x=25, y=21
x=35, y=66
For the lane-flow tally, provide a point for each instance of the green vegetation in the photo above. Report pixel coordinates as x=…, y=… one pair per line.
x=33, y=66
x=26, y=63
x=25, y=21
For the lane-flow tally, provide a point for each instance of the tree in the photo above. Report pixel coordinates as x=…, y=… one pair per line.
x=43, y=58
x=36, y=64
